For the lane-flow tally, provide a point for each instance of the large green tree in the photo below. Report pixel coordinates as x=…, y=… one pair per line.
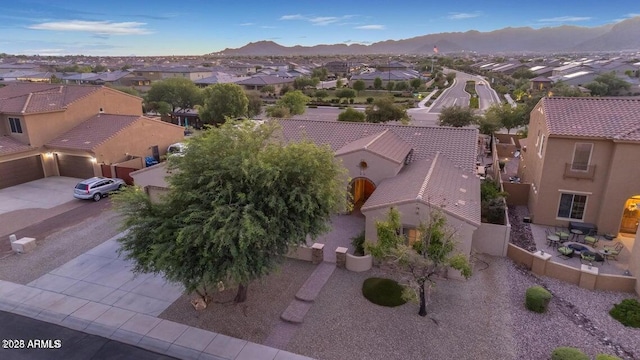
x=507, y=116
x=431, y=254
x=384, y=109
x=303, y=82
x=237, y=201
x=296, y=101
x=457, y=116
x=377, y=83
x=345, y=93
x=358, y=86
x=222, y=101
x=177, y=92
x=607, y=84
x=254, y=107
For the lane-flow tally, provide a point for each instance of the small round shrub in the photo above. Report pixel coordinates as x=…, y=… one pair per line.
x=369, y=100
x=627, y=312
x=537, y=299
x=568, y=353
x=606, y=357
x=384, y=292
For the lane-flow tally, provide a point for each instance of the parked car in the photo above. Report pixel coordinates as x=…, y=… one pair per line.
x=176, y=149
x=97, y=187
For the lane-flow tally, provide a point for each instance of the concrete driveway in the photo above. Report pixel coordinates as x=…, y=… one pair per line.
x=42, y=193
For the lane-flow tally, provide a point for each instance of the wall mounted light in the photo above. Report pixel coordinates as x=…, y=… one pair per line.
x=93, y=160
x=48, y=155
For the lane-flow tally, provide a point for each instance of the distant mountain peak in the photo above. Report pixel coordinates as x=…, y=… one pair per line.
x=618, y=36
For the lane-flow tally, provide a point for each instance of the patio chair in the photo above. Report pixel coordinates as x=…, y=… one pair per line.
x=563, y=233
x=565, y=252
x=591, y=238
x=612, y=252
x=588, y=257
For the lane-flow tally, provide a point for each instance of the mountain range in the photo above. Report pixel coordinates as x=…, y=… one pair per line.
x=623, y=35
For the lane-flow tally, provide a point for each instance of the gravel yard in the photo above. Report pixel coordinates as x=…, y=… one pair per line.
x=59, y=248
x=254, y=319
x=483, y=318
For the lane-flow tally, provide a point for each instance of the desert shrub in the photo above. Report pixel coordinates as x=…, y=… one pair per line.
x=568, y=353
x=606, y=357
x=384, y=292
x=369, y=100
x=358, y=244
x=627, y=312
x=537, y=299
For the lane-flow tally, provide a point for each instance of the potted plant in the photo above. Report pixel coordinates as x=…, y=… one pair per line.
x=501, y=164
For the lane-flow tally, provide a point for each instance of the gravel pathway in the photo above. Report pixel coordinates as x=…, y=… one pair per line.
x=59, y=248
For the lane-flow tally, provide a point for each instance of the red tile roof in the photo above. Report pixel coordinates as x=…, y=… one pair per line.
x=34, y=98
x=9, y=145
x=609, y=118
x=386, y=144
x=457, y=144
x=93, y=132
x=434, y=181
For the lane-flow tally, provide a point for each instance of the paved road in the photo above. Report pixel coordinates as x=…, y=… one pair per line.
x=73, y=344
x=454, y=95
x=486, y=94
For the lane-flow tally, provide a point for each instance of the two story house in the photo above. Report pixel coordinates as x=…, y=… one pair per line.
x=70, y=130
x=582, y=160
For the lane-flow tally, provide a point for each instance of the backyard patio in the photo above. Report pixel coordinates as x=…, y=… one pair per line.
x=610, y=266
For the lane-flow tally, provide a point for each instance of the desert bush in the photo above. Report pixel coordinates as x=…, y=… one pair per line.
x=606, y=357
x=537, y=299
x=358, y=244
x=568, y=353
x=627, y=312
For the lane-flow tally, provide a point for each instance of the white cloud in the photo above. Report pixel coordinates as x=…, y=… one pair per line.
x=247, y=24
x=370, y=27
x=566, y=19
x=461, y=16
x=292, y=17
x=630, y=15
x=323, y=20
x=318, y=20
x=95, y=27
x=268, y=27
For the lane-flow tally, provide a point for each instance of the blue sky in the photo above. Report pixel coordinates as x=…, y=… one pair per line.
x=186, y=27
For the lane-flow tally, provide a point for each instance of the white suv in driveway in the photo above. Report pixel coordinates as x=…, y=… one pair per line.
x=97, y=187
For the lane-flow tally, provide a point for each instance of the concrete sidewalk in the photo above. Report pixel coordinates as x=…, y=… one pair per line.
x=97, y=293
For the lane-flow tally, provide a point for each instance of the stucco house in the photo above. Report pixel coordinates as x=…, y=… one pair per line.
x=581, y=162
x=32, y=116
x=414, y=169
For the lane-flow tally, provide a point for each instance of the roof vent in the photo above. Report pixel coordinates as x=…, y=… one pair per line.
x=101, y=111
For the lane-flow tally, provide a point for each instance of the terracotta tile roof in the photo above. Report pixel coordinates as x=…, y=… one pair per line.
x=434, y=181
x=609, y=118
x=260, y=80
x=385, y=144
x=9, y=145
x=33, y=98
x=457, y=144
x=93, y=132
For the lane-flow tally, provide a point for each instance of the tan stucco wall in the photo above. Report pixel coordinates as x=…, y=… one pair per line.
x=44, y=127
x=378, y=168
x=411, y=214
x=137, y=140
x=152, y=176
x=491, y=239
x=623, y=182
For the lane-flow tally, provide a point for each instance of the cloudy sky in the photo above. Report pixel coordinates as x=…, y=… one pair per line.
x=187, y=27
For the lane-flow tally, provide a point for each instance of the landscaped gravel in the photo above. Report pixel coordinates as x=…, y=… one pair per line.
x=466, y=320
x=254, y=319
x=60, y=247
x=521, y=235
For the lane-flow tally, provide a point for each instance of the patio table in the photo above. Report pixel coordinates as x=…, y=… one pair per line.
x=605, y=254
x=576, y=234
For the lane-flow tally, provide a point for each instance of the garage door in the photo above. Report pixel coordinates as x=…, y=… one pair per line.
x=75, y=166
x=20, y=171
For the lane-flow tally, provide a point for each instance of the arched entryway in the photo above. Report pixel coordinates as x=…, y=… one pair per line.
x=361, y=189
x=630, y=215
